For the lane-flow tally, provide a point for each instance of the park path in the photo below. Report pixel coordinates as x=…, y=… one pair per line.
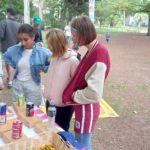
x=127, y=90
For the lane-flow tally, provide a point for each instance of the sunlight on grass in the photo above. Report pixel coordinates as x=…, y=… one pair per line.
x=123, y=29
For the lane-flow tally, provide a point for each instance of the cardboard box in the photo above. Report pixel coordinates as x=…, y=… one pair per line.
x=24, y=143
x=43, y=127
x=29, y=121
x=19, y=109
x=7, y=136
x=43, y=139
x=6, y=127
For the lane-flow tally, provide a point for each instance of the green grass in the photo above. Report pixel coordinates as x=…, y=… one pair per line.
x=110, y=30
x=126, y=29
x=104, y=30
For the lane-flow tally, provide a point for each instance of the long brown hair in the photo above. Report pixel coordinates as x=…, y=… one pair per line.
x=57, y=42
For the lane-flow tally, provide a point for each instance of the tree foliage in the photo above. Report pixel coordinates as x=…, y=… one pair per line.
x=16, y=4
x=144, y=7
x=114, y=12
x=57, y=13
x=61, y=12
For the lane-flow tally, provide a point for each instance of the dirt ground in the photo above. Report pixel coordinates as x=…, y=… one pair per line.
x=127, y=90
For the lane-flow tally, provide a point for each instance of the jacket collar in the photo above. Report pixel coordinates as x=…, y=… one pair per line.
x=14, y=19
x=33, y=49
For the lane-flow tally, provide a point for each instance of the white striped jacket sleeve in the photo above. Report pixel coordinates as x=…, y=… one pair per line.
x=95, y=82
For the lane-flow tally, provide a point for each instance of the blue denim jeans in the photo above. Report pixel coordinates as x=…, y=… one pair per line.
x=84, y=139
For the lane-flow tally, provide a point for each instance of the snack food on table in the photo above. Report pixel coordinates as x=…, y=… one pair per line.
x=47, y=147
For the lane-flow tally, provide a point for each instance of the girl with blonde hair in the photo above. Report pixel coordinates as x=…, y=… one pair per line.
x=62, y=67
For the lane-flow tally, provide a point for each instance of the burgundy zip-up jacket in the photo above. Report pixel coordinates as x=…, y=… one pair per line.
x=85, y=90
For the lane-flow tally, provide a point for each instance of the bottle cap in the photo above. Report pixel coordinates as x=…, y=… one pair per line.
x=51, y=103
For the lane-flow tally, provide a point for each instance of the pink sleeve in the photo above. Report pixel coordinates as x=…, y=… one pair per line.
x=74, y=65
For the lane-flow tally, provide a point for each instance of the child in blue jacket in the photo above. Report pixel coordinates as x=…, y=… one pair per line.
x=27, y=61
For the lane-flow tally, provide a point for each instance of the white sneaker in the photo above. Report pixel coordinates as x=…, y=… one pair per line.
x=9, y=85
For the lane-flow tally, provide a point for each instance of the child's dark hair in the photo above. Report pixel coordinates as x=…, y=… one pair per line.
x=26, y=28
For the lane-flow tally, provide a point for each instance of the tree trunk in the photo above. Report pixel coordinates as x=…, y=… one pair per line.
x=41, y=2
x=111, y=22
x=100, y=22
x=124, y=18
x=63, y=17
x=26, y=11
x=148, y=33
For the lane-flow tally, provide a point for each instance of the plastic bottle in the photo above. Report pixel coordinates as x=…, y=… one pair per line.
x=51, y=115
